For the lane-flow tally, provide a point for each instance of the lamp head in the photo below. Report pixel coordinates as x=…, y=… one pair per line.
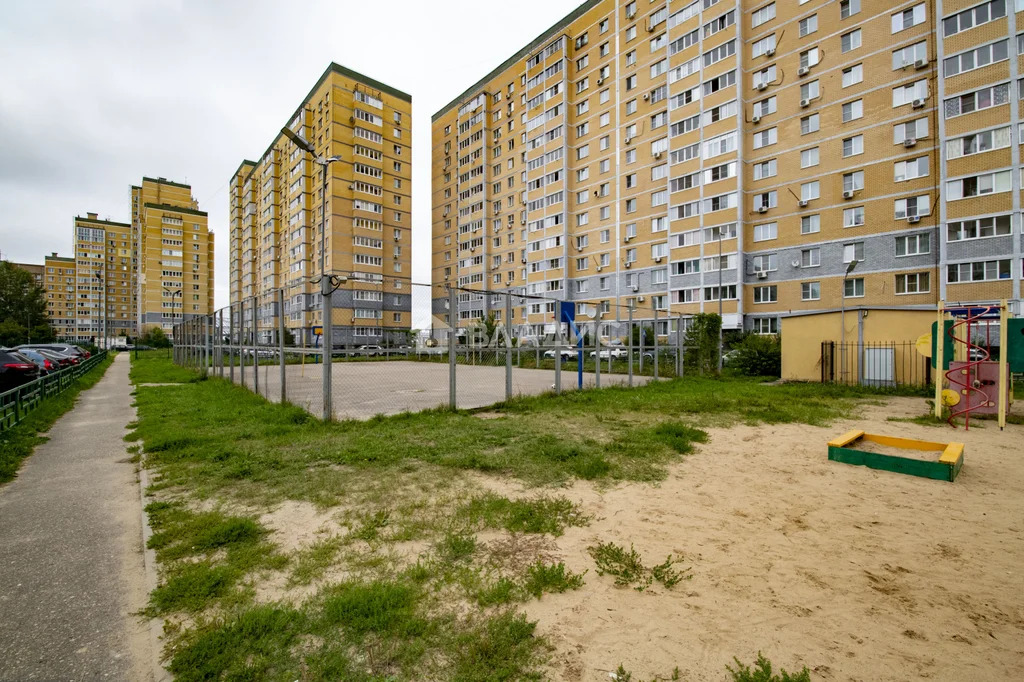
x=298, y=140
x=850, y=268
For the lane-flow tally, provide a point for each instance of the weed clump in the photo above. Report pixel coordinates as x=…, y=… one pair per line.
x=628, y=567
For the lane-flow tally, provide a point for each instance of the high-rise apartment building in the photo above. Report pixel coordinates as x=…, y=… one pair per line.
x=276, y=209
x=688, y=157
x=59, y=283
x=175, y=254
x=104, y=274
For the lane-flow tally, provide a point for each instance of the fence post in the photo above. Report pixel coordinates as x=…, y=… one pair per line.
x=255, y=349
x=558, y=358
x=231, y=342
x=327, y=315
x=241, y=341
x=508, y=346
x=679, y=347
x=597, y=355
x=655, y=333
x=280, y=338
x=453, y=316
x=206, y=345
x=631, y=346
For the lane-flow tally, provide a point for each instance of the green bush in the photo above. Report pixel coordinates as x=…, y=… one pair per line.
x=758, y=355
x=762, y=672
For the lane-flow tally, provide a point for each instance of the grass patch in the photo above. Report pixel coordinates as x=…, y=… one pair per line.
x=762, y=672
x=18, y=442
x=204, y=555
x=628, y=567
x=155, y=367
x=237, y=440
x=313, y=562
x=538, y=515
x=541, y=578
x=456, y=546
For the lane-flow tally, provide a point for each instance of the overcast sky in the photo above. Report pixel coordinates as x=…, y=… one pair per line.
x=96, y=94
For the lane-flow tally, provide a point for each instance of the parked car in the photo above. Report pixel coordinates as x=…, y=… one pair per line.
x=369, y=350
x=564, y=352
x=66, y=348
x=260, y=353
x=614, y=352
x=16, y=370
x=62, y=359
x=45, y=364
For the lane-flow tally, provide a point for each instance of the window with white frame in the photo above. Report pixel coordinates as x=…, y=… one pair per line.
x=979, y=228
x=766, y=200
x=976, y=16
x=913, y=283
x=912, y=206
x=908, y=18
x=976, y=143
x=809, y=157
x=985, y=98
x=853, y=288
x=847, y=8
x=853, y=181
x=765, y=262
x=808, y=25
x=765, y=169
x=810, y=190
x=853, y=110
x=978, y=271
x=853, y=252
x=765, y=138
x=765, y=325
x=762, y=15
x=850, y=41
x=979, y=185
x=853, y=75
x=765, y=106
x=810, y=224
x=910, y=169
x=768, y=294
x=810, y=90
x=853, y=217
x=765, y=232
x=913, y=244
x=810, y=124
x=810, y=258
x=852, y=146
x=762, y=46
x=976, y=58
x=810, y=291
x=910, y=130
x=909, y=55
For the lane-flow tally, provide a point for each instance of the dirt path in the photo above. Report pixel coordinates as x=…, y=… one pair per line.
x=71, y=563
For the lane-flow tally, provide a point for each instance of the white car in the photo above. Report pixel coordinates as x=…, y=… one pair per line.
x=564, y=352
x=616, y=352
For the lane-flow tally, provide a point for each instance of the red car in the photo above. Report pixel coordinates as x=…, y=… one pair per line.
x=16, y=370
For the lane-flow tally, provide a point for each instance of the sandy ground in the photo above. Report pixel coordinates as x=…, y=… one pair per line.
x=857, y=574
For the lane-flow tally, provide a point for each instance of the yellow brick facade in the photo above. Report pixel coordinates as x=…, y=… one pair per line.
x=59, y=281
x=276, y=210
x=647, y=138
x=176, y=252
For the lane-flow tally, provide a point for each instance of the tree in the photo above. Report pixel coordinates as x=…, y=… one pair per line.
x=23, y=315
x=702, y=340
x=155, y=338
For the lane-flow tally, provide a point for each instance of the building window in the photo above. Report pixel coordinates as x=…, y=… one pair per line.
x=853, y=217
x=853, y=252
x=980, y=271
x=985, y=98
x=976, y=58
x=913, y=283
x=979, y=185
x=762, y=15
x=810, y=124
x=908, y=18
x=808, y=25
x=766, y=232
x=810, y=291
x=810, y=258
x=853, y=146
x=853, y=288
x=913, y=244
x=767, y=294
x=809, y=224
x=909, y=170
x=853, y=110
x=853, y=75
x=847, y=8
x=975, y=16
x=979, y=228
x=850, y=41
x=809, y=157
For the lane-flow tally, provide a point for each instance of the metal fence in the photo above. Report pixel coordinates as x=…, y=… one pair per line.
x=19, y=402
x=274, y=347
x=878, y=364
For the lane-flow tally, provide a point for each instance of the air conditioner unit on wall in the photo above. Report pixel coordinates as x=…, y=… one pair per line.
x=913, y=218
x=917, y=103
x=803, y=203
x=804, y=103
x=762, y=86
x=909, y=142
x=803, y=71
x=921, y=64
x=755, y=118
x=761, y=274
x=762, y=209
x=848, y=194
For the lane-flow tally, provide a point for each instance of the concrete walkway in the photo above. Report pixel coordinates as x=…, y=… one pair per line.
x=71, y=562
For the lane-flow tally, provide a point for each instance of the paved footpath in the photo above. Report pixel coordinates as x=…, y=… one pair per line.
x=71, y=564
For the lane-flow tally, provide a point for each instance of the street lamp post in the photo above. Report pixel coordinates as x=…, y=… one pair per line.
x=842, y=322
x=173, y=293
x=720, y=300
x=103, y=307
x=327, y=282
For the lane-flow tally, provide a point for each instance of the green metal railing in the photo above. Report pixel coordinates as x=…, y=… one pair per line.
x=19, y=402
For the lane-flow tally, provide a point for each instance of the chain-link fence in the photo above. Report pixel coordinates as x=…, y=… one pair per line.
x=503, y=345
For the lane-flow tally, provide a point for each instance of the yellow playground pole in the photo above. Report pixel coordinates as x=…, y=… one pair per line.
x=1004, y=361
x=940, y=334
